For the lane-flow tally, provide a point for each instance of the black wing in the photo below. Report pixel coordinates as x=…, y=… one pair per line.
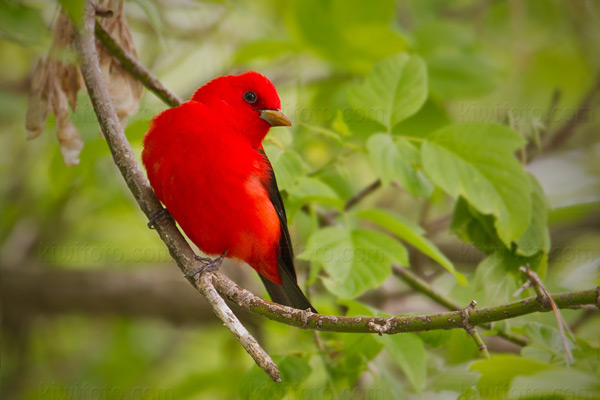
x=288, y=293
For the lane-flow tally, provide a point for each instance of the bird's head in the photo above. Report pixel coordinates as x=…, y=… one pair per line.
x=249, y=101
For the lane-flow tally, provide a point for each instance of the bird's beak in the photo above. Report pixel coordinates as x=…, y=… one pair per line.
x=275, y=117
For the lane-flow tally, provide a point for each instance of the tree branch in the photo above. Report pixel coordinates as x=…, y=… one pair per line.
x=135, y=68
x=213, y=284
x=421, y=286
x=143, y=193
x=390, y=325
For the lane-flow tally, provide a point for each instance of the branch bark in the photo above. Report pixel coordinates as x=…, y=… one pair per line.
x=391, y=325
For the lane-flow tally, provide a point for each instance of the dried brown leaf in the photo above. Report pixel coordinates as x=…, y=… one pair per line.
x=69, y=138
x=38, y=107
x=125, y=90
x=54, y=86
x=71, y=82
x=57, y=80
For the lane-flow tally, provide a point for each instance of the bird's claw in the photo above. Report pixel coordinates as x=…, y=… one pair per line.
x=162, y=213
x=209, y=265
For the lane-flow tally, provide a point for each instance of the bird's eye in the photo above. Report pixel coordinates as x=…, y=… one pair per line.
x=250, y=97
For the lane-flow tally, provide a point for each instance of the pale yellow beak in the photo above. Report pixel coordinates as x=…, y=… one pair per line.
x=275, y=117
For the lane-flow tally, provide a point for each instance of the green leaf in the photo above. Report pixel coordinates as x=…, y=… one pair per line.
x=452, y=77
x=355, y=260
x=545, y=344
x=455, y=64
x=397, y=159
x=73, y=8
x=454, y=379
x=537, y=237
x=309, y=189
x=135, y=130
x=431, y=117
x=22, y=23
x=478, y=229
x=393, y=90
x=435, y=338
x=388, y=382
x=408, y=351
x=339, y=125
x=263, y=48
x=475, y=160
x=493, y=281
x=355, y=308
x=350, y=34
x=153, y=14
x=413, y=235
x=288, y=167
x=355, y=353
x=473, y=227
x=460, y=347
x=498, y=372
x=566, y=383
x=257, y=385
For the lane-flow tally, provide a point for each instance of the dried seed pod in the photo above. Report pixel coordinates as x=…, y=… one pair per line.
x=69, y=138
x=38, y=107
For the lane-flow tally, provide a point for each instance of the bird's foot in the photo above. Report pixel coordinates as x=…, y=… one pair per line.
x=210, y=265
x=162, y=213
x=204, y=260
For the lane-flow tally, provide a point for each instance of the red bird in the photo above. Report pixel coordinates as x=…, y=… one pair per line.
x=206, y=163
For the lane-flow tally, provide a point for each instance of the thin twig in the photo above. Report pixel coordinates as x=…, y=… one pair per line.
x=139, y=186
x=328, y=218
x=358, y=197
x=421, y=286
x=579, y=116
x=224, y=313
x=470, y=329
x=583, y=319
x=545, y=297
x=554, y=100
x=135, y=68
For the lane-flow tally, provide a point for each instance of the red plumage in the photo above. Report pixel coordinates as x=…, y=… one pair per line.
x=206, y=164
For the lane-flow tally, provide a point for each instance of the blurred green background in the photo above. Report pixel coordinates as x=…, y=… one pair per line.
x=94, y=307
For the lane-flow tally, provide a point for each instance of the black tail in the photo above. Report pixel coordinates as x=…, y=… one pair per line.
x=288, y=293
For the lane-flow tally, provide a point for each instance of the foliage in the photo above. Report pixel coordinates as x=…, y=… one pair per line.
x=436, y=100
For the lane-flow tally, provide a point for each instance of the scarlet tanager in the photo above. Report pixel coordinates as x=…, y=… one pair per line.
x=207, y=165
